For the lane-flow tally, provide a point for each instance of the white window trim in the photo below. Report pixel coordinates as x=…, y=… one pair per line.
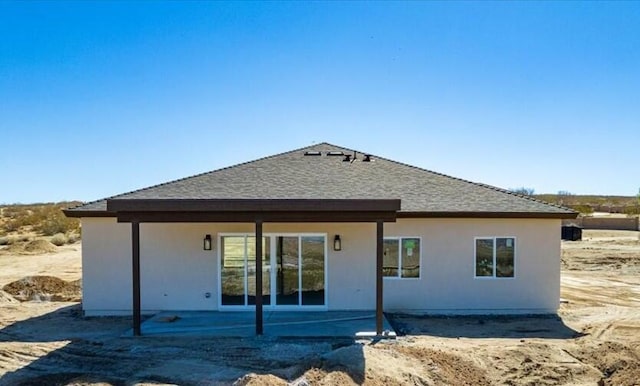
x=399, y=276
x=272, y=306
x=495, y=267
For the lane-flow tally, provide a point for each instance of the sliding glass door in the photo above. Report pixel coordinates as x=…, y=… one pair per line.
x=293, y=269
x=238, y=270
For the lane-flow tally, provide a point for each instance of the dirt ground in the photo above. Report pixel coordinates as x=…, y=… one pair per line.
x=594, y=340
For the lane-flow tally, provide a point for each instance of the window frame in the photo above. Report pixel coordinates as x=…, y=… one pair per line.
x=399, y=276
x=495, y=266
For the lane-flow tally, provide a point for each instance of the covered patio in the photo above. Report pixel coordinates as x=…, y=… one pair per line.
x=258, y=212
x=313, y=324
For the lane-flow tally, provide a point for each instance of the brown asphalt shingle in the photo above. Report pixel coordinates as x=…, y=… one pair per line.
x=293, y=175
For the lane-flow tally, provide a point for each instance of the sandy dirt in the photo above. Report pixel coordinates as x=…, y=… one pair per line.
x=594, y=339
x=64, y=263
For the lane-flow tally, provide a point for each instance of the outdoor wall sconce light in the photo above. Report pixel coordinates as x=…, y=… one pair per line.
x=207, y=242
x=337, y=243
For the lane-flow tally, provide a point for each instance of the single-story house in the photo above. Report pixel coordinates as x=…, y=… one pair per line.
x=335, y=229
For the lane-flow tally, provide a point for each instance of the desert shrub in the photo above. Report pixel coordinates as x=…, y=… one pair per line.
x=18, y=217
x=12, y=240
x=56, y=222
x=631, y=211
x=11, y=226
x=13, y=212
x=59, y=239
x=47, y=219
x=72, y=238
x=22, y=238
x=583, y=209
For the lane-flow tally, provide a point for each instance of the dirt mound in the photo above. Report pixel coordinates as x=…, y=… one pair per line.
x=45, y=288
x=619, y=364
x=5, y=298
x=452, y=370
x=323, y=377
x=260, y=380
x=39, y=246
x=33, y=247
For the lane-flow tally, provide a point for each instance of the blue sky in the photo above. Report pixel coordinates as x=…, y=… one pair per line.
x=101, y=98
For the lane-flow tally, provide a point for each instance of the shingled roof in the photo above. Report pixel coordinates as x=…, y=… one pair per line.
x=303, y=174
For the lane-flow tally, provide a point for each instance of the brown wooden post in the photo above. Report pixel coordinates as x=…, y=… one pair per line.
x=259, y=328
x=379, y=281
x=135, y=241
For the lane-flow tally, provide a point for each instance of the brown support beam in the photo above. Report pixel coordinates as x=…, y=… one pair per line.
x=250, y=217
x=259, y=328
x=249, y=205
x=379, y=281
x=135, y=241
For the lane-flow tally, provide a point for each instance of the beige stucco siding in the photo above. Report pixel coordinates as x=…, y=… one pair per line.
x=176, y=273
x=106, y=266
x=447, y=282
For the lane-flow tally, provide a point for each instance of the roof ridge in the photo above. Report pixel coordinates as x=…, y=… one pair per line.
x=486, y=186
x=198, y=175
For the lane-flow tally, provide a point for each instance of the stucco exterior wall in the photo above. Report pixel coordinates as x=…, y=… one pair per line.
x=447, y=283
x=176, y=273
x=106, y=266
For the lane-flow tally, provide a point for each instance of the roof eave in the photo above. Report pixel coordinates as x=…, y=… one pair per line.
x=543, y=215
x=74, y=213
x=448, y=214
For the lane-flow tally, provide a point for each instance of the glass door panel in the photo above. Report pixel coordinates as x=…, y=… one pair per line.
x=312, y=258
x=232, y=270
x=287, y=270
x=266, y=270
x=296, y=274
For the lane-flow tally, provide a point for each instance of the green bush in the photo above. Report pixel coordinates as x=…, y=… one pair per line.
x=6, y=241
x=59, y=239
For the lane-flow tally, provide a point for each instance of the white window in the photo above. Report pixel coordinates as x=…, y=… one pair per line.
x=495, y=257
x=401, y=257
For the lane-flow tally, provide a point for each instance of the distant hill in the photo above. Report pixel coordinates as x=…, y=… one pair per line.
x=42, y=218
x=591, y=203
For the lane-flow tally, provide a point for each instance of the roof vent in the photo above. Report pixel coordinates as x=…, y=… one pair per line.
x=335, y=153
x=347, y=158
x=367, y=158
x=312, y=153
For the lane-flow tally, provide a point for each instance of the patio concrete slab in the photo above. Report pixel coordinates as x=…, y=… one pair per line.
x=334, y=324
